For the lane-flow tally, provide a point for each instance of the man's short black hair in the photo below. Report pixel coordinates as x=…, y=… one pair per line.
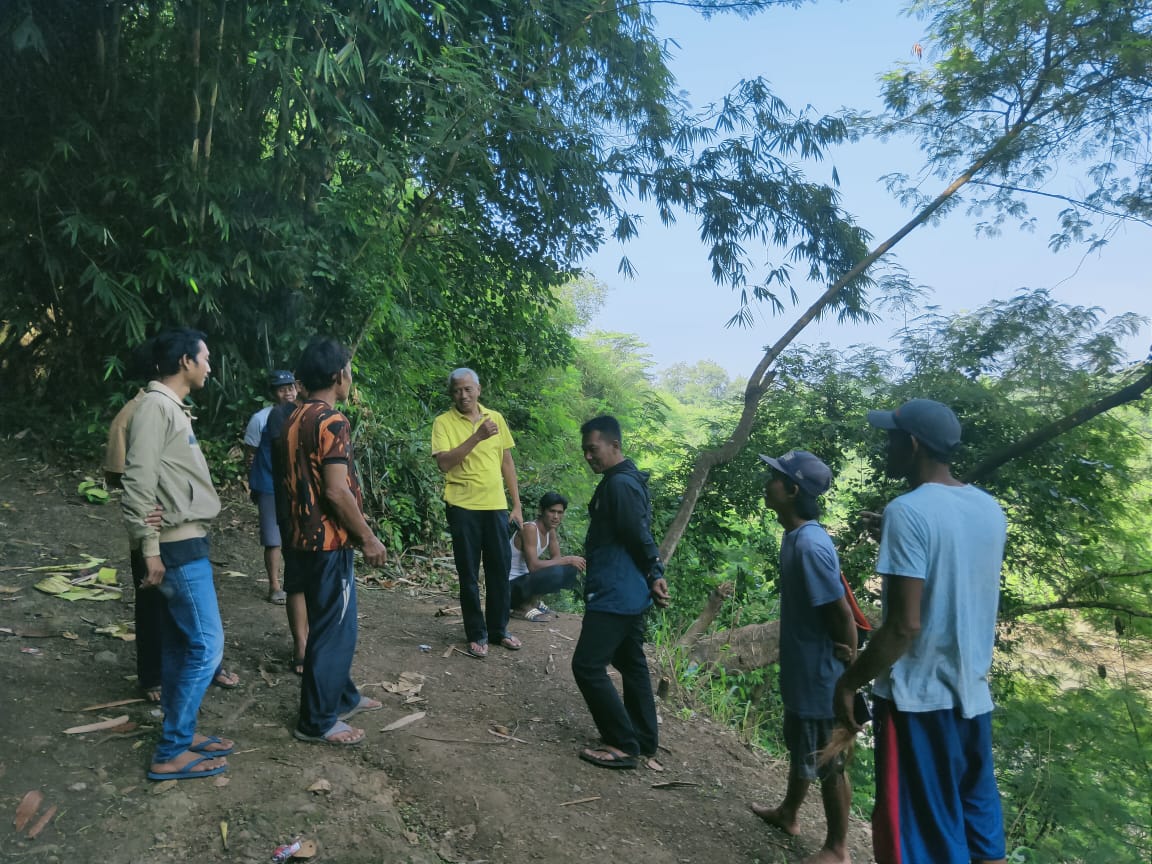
x=173, y=345
x=550, y=499
x=608, y=427
x=320, y=362
x=141, y=366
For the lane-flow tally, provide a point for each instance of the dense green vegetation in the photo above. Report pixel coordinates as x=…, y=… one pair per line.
x=424, y=179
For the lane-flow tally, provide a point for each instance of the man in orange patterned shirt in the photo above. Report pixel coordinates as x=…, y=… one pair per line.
x=325, y=521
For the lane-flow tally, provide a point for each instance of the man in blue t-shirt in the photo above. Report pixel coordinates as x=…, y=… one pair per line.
x=941, y=549
x=282, y=386
x=816, y=627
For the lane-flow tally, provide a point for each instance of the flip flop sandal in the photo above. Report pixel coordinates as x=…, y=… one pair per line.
x=479, y=650
x=365, y=704
x=608, y=760
x=278, y=597
x=338, y=727
x=297, y=665
x=207, y=742
x=152, y=694
x=226, y=675
x=186, y=773
x=535, y=615
x=511, y=643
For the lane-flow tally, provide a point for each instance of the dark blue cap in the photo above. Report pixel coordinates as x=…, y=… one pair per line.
x=279, y=377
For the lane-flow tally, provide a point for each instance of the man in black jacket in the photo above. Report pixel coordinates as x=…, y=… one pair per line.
x=624, y=577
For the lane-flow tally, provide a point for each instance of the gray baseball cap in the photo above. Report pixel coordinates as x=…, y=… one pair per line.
x=932, y=423
x=804, y=469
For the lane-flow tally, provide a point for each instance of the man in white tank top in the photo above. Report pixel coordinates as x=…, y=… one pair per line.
x=533, y=574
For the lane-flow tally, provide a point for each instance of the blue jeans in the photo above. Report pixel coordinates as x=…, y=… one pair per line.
x=192, y=645
x=329, y=587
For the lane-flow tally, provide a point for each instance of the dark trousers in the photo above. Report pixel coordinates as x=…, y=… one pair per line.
x=629, y=725
x=482, y=536
x=149, y=614
x=326, y=690
x=546, y=580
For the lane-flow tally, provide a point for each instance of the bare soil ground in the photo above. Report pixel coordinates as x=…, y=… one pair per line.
x=442, y=788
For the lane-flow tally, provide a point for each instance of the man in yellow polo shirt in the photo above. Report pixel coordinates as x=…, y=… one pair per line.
x=473, y=448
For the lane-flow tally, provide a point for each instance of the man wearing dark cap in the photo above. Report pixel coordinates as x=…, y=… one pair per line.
x=815, y=618
x=941, y=549
x=282, y=385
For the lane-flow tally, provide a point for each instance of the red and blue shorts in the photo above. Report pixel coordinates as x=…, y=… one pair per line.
x=936, y=795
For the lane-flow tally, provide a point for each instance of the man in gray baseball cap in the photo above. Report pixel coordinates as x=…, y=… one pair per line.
x=931, y=423
x=941, y=550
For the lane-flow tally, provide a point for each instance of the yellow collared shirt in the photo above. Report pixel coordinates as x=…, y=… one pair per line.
x=476, y=483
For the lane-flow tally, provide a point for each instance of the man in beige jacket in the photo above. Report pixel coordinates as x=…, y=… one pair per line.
x=165, y=466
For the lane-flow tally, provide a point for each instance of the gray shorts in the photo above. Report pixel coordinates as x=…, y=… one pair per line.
x=269, y=529
x=805, y=737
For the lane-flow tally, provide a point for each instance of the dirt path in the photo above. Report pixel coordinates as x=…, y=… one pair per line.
x=443, y=788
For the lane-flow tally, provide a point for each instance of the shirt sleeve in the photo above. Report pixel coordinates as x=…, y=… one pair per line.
x=147, y=434
x=821, y=568
x=255, y=427
x=506, y=442
x=335, y=439
x=634, y=527
x=440, y=442
x=903, y=543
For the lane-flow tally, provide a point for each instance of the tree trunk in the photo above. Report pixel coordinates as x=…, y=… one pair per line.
x=741, y=650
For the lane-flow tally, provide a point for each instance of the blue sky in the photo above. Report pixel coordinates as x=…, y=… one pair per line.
x=830, y=55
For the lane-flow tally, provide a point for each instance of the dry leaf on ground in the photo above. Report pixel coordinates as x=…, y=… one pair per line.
x=409, y=684
x=404, y=721
x=27, y=808
x=96, y=727
x=41, y=823
x=319, y=786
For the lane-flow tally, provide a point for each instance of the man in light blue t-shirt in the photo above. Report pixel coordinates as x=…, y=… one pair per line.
x=941, y=550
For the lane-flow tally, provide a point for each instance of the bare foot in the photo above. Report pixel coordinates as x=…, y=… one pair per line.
x=351, y=735
x=152, y=694
x=775, y=817
x=200, y=742
x=184, y=760
x=225, y=679
x=828, y=856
